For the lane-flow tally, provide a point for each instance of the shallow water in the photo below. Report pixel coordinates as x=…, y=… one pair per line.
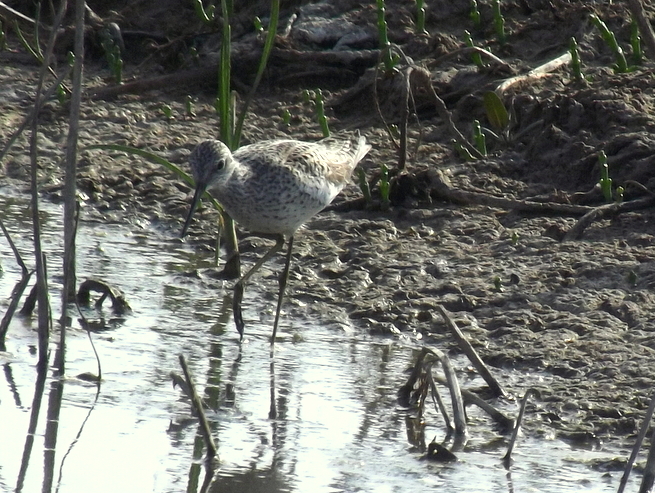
x=338, y=426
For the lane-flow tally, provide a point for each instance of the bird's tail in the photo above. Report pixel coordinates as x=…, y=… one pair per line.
x=362, y=148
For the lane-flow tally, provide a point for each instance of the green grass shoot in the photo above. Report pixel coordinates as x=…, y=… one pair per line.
x=499, y=22
x=479, y=138
x=420, y=16
x=605, y=180
x=320, y=112
x=635, y=42
x=385, y=187
x=621, y=65
x=475, y=16
x=475, y=56
x=576, y=65
x=363, y=185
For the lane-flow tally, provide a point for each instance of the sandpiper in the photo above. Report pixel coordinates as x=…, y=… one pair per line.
x=272, y=188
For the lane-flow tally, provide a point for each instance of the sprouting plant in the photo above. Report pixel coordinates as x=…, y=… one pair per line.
x=475, y=16
x=320, y=112
x=499, y=22
x=475, y=56
x=205, y=15
x=635, y=42
x=462, y=151
x=576, y=66
x=497, y=114
x=621, y=65
x=515, y=238
x=620, y=191
x=605, y=180
x=61, y=95
x=363, y=185
x=259, y=27
x=35, y=51
x=420, y=16
x=479, y=138
x=286, y=117
x=189, y=107
x=167, y=111
x=632, y=278
x=385, y=187
x=306, y=96
x=112, y=51
x=3, y=38
x=498, y=283
x=385, y=46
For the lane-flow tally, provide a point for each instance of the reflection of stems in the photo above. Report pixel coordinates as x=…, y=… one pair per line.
x=197, y=405
x=16, y=293
x=39, y=386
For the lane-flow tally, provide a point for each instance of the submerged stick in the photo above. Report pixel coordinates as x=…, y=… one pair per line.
x=472, y=355
x=640, y=439
x=508, y=456
x=197, y=404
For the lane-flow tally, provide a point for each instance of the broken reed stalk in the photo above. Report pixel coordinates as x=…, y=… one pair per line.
x=71, y=206
x=438, y=402
x=640, y=439
x=472, y=355
x=515, y=433
x=649, y=471
x=17, y=292
x=459, y=414
x=197, y=405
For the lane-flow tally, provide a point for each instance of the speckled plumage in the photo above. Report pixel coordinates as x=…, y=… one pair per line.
x=275, y=186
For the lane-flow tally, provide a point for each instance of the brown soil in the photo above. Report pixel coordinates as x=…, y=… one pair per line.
x=579, y=311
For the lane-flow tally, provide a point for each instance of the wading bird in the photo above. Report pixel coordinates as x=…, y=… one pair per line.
x=272, y=188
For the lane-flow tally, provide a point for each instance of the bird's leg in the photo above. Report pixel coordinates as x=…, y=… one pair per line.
x=240, y=286
x=284, y=277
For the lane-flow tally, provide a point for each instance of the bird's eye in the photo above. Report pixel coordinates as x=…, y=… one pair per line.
x=220, y=164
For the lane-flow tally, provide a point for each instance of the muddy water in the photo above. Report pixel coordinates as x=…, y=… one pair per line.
x=337, y=426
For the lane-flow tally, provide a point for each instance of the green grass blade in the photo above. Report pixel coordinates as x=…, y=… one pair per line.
x=496, y=112
x=154, y=158
x=268, y=46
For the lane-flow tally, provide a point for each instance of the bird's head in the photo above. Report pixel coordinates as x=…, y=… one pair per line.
x=211, y=162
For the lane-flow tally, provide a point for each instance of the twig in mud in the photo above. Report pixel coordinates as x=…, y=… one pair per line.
x=465, y=346
x=508, y=456
x=603, y=211
x=474, y=49
x=534, y=74
x=17, y=291
x=440, y=185
x=197, y=404
x=640, y=439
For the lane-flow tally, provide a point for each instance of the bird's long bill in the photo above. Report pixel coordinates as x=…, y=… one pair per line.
x=200, y=189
